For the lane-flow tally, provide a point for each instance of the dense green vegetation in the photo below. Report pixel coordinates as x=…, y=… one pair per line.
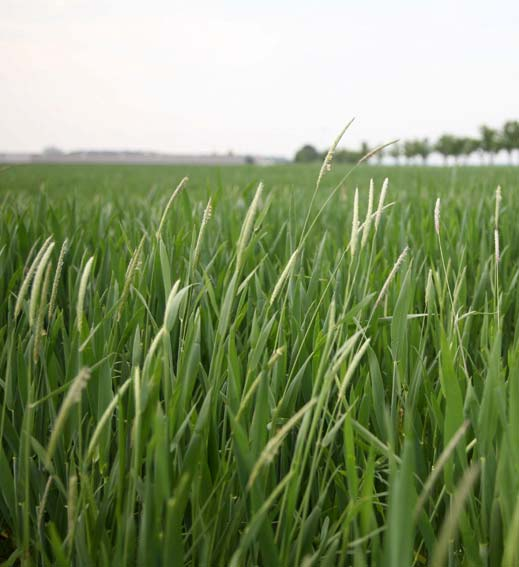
x=270, y=379
x=490, y=143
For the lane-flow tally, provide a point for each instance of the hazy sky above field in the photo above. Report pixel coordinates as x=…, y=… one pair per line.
x=252, y=76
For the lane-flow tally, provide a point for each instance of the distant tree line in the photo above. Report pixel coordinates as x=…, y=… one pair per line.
x=490, y=142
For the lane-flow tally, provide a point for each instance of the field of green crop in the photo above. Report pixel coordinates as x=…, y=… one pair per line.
x=238, y=373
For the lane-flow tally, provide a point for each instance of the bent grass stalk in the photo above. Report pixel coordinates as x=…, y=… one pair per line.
x=390, y=277
x=327, y=162
x=72, y=397
x=285, y=274
x=105, y=417
x=272, y=447
x=438, y=467
x=325, y=167
x=449, y=527
x=455, y=320
x=174, y=195
x=246, y=230
x=376, y=150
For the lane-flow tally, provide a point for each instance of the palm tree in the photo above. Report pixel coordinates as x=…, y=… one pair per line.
x=510, y=137
x=489, y=141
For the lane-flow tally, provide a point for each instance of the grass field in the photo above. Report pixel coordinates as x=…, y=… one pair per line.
x=283, y=377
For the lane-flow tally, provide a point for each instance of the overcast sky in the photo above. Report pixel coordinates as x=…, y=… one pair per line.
x=251, y=76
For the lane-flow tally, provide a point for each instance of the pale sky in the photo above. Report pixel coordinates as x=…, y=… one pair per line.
x=252, y=76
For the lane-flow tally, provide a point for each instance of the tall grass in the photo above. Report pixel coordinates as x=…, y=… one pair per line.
x=245, y=373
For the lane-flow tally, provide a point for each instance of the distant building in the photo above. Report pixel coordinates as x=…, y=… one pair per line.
x=55, y=155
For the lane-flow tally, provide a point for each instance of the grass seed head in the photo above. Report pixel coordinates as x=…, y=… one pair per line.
x=81, y=295
x=28, y=277
x=208, y=212
x=367, y=222
x=327, y=163
x=248, y=223
x=429, y=291
x=498, y=206
x=272, y=447
x=57, y=276
x=355, y=224
x=205, y=219
x=276, y=355
x=391, y=276
x=38, y=328
x=437, y=216
x=381, y=200
x=132, y=269
x=284, y=276
x=38, y=278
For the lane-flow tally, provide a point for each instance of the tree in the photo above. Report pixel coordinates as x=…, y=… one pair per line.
x=457, y=146
x=380, y=156
x=410, y=150
x=489, y=141
x=423, y=149
x=395, y=152
x=346, y=156
x=444, y=146
x=364, y=149
x=510, y=136
x=469, y=146
x=52, y=151
x=306, y=154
